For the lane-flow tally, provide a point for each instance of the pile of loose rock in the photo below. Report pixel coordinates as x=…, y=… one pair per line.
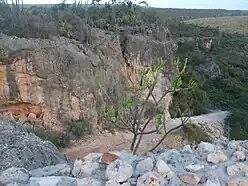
x=204, y=164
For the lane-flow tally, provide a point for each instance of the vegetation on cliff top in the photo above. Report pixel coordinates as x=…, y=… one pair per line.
x=231, y=24
x=230, y=89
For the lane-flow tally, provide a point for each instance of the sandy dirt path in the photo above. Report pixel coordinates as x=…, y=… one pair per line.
x=122, y=140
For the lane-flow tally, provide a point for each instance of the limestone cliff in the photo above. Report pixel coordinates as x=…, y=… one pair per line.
x=54, y=80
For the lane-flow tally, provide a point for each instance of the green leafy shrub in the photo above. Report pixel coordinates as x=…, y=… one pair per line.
x=196, y=134
x=77, y=130
x=134, y=114
x=80, y=128
x=58, y=139
x=238, y=124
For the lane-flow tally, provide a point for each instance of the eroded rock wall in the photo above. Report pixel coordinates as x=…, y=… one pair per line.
x=54, y=80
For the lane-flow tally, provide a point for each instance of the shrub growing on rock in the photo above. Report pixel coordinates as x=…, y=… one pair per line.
x=80, y=128
x=60, y=139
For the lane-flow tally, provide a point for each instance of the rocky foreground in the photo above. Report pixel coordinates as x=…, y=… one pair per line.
x=204, y=164
x=26, y=160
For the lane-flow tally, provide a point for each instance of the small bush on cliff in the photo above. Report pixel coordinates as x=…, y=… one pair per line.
x=132, y=111
x=196, y=134
x=80, y=128
x=59, y=139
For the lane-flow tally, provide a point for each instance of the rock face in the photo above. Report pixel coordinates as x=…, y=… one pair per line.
x=22, y=150
x=53, y=81
x=166, y=167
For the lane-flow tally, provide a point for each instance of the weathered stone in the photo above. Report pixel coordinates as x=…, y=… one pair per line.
x=213, y=177
x=238, y=182
x=217, y=157
x=132, y=181
x=128, y=157
x=119, y=171
x=53, y=64
x=144, y=166
x=90, y=182
x=189, y=178
x=23, y=150
x=206, y=147
x=233, y=170
x=237, y=146
x=203, y=179
x=164, y=169
x=13, y=174
x=194, y=167
x=149, y=178
x=212, y=183
x=32, y=116
x=239, y=156
x=237, y=168
x=13, y=184
x=92, y=157
x=112, y=183
x=55, y=170
x=107, y=158
x=83, y=169
x=53, y=181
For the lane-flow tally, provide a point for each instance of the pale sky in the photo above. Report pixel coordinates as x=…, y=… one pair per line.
x=205, y=4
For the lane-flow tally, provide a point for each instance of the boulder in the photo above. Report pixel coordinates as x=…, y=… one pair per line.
x=144, y=166
x=189, y=178
x=163, y=169
x=53, y=181
x=54, y=170
x=206, y=147
x=194, y=167
x=13, y=174
x=83, y=169
x=238, y=182
x=112, y=183
x=239, y=156
x=216, y=157
x=119, y=171
x=235, y=169
x=88, y=181
x=92, y=157
x=107, y=158
x=24, y=150
x=149, y=178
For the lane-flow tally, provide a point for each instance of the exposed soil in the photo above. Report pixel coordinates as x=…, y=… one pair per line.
x=122, y=140
x=119, y=141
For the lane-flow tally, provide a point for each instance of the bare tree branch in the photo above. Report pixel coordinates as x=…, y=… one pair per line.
x=164, y=136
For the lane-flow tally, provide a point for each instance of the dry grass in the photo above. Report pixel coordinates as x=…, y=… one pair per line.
x=230, y=24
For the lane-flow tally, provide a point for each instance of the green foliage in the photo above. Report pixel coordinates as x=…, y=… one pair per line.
x=237, y=122
x=196, y=134
x=80, y=128
x=65, y=29
x=230, y=90
x=139, y=107
x=58, y=139
x=76, y=130
x=149, y=75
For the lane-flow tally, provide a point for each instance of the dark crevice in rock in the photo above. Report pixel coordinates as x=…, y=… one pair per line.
x=123, y=39
x=12, y=84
